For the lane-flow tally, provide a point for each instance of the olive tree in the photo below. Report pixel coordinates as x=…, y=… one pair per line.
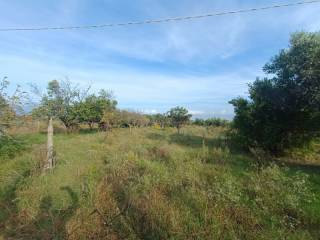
x=179, y=116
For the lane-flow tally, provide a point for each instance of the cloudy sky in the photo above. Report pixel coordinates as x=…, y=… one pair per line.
x=198, y=64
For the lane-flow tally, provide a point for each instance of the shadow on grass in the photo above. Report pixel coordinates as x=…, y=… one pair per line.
x=305, y=167
x=50, y=223
x=88, y=131
x=156, y=136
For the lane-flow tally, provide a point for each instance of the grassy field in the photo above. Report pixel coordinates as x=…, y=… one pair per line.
x=155, y=184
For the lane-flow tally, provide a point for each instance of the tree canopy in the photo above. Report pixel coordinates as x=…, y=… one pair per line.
x=92, y=109
x=283, y=111
x=73, y=105
x=178, y=116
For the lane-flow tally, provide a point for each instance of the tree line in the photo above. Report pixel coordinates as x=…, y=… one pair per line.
x=74, y=106
x=211, y=122
x=281, y=112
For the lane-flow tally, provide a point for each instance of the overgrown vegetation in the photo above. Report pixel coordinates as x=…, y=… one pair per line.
x=10, y=105
x=211, y=122
x=155, y=184
x=72, y=105
x=284, y=110
x=10, y=146
x=178, y=117
x=121, y=174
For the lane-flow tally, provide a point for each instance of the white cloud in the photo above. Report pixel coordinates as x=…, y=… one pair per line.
x=150, y=111
x=196, y=112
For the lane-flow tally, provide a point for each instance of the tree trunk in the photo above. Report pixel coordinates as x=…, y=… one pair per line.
x=50, y=153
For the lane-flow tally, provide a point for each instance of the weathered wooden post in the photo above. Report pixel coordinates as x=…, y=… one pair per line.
x=50, y=151
x=38, y=126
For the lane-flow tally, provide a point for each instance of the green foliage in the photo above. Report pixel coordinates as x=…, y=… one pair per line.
x=73, y=106
x=9, y=147
x=293, y=190
x=118, y=118
x=59, y=101
x=211, y=122
x=9, y=105
x=159, y=119
x=134, y=119
x=178, y=116
x=110, y=119
x=93, y=108
x=283, y=111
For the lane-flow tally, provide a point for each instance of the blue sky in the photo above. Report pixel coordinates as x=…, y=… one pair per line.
x=200, y=65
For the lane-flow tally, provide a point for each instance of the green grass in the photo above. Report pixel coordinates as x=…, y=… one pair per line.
x=155, y=184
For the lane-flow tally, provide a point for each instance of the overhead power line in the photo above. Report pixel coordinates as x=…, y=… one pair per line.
x=163, y=20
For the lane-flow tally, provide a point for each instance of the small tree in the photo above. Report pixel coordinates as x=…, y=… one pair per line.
x=59, y=101
x=132, y=119
x=178, y=116
x=93, y=108
x=160, y=119
x=110, y=120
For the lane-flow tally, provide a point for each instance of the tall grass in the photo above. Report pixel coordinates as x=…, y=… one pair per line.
x=156, y=184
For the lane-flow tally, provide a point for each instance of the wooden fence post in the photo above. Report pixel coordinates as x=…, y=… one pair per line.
x=50, y=152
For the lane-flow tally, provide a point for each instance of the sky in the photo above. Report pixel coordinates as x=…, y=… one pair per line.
x=200, y=65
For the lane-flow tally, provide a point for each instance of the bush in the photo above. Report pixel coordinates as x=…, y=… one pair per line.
x=9, y=146
x=283, y=112
x=211, y=122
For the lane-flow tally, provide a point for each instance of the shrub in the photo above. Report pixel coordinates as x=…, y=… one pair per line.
x=9, y=146
x=284, y=111
x=211, y=122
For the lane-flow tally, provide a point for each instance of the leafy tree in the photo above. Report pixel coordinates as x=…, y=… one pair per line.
x=59, y=101
x=178, y=116
x=199, y=122
x=110, y=120
x=133, y=119
x=117, y=118
x=160, y=119
x=211, y=122
x=283, y=111
x=93, y=108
